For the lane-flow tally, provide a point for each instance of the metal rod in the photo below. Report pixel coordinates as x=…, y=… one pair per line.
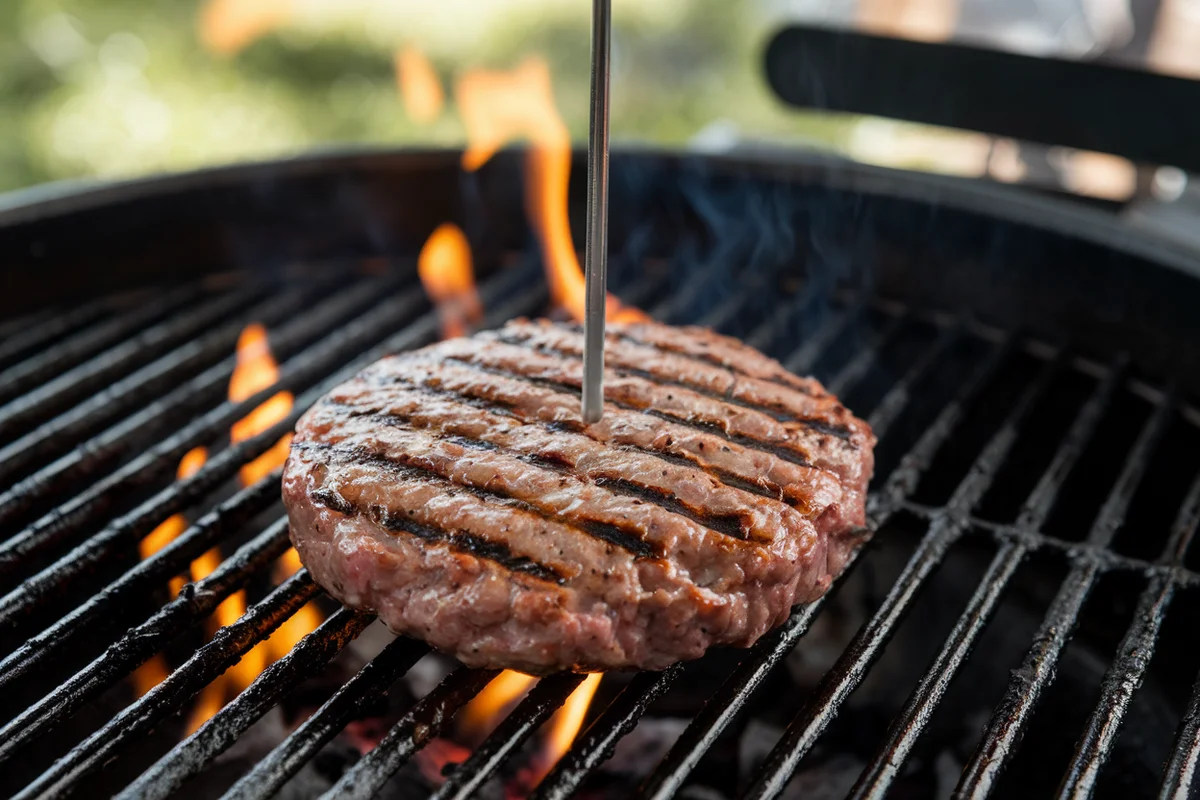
x=596, y=252
x=194, y=397
x=140, y=643
x=593, y=747
x=181, y=686
x=860, y=655
x=220, y=731
x=468, y=778
x=413, y=731
x=373, y=680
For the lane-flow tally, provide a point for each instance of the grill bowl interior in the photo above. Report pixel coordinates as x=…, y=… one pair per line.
x=1019, y=621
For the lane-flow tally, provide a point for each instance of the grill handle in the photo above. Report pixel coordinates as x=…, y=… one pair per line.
x=1145, y=117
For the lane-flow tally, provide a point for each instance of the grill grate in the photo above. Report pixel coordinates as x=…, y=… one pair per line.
x=112, y=454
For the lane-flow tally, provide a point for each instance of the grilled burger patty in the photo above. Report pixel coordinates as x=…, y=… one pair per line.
x=456, y=491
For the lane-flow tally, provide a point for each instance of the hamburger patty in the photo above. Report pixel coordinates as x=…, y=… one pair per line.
x=456, y=491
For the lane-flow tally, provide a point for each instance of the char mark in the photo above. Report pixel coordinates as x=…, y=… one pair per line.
x=569, y=426
x=560, y=387
x=611, y=534
x=458, y=541
x=776, y=413
x=699, y=358
x=725, y=524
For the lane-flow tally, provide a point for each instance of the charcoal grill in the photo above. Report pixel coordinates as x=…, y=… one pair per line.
x=1029, y=367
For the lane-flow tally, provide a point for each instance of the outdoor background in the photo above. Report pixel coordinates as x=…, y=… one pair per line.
x=120, y=88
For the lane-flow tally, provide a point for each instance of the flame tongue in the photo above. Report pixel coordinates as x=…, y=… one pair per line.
x=501, y=107
x=445, y=269
x=254, y=371
x=419, y=86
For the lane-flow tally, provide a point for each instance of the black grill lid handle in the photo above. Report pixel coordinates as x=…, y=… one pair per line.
x=1145, y=117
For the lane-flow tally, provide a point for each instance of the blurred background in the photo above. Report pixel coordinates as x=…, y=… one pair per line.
x=121, y=88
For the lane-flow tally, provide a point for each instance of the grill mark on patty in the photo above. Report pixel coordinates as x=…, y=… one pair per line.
x=458, y=541
x=701, y=358
x=571, y=426
x=776, y=413
x=560, y=387
x=724, y=524
x=639, y=548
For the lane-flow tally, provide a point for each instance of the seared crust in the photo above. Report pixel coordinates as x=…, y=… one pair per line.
x=457, y=492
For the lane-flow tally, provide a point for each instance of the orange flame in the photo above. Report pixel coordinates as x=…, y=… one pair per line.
x=228, y=26
x=564, y=727
x=499, y=107
x=444, y=267
x=482, y=714
x=255, y=371
x=419, y=86
x=154, y=671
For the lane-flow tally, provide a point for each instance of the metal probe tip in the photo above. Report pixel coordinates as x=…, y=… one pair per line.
x=596, y=249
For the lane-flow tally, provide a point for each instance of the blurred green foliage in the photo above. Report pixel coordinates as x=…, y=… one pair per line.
x=118, y=88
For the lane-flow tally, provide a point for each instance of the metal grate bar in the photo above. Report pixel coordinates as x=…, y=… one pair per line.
x=898, y=397
x=272, y=772
x=1008, y=722
x=858, y=366
x=226, y=648
x=911, y=722
x=1125, y=675
x=35, y=405
x=543, y=700
x=904, y=479
x=130, y=527
x=803, y=360
x=423, y=722
x=591, y=748
x=1180, y=773
x=879, y=774
x=731, y=697
x=37, y=447
x=858, y=657
x=140, y=579
x=309, y=656
x=1123, y=678
x=195, y=602
x=39, y=331
x=33, y=371
x=190, y=399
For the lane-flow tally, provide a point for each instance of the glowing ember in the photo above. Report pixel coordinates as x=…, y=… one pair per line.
x=479, y=717
x=256, y=370
x=499, y=107
x=449, y=279
x=419, y=86
x=436, y=756
x=228, y=26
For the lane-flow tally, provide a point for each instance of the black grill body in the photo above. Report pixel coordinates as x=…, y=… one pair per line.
x=1019, y=622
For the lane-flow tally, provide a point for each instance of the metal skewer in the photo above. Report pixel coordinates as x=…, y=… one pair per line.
x=596, y=248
